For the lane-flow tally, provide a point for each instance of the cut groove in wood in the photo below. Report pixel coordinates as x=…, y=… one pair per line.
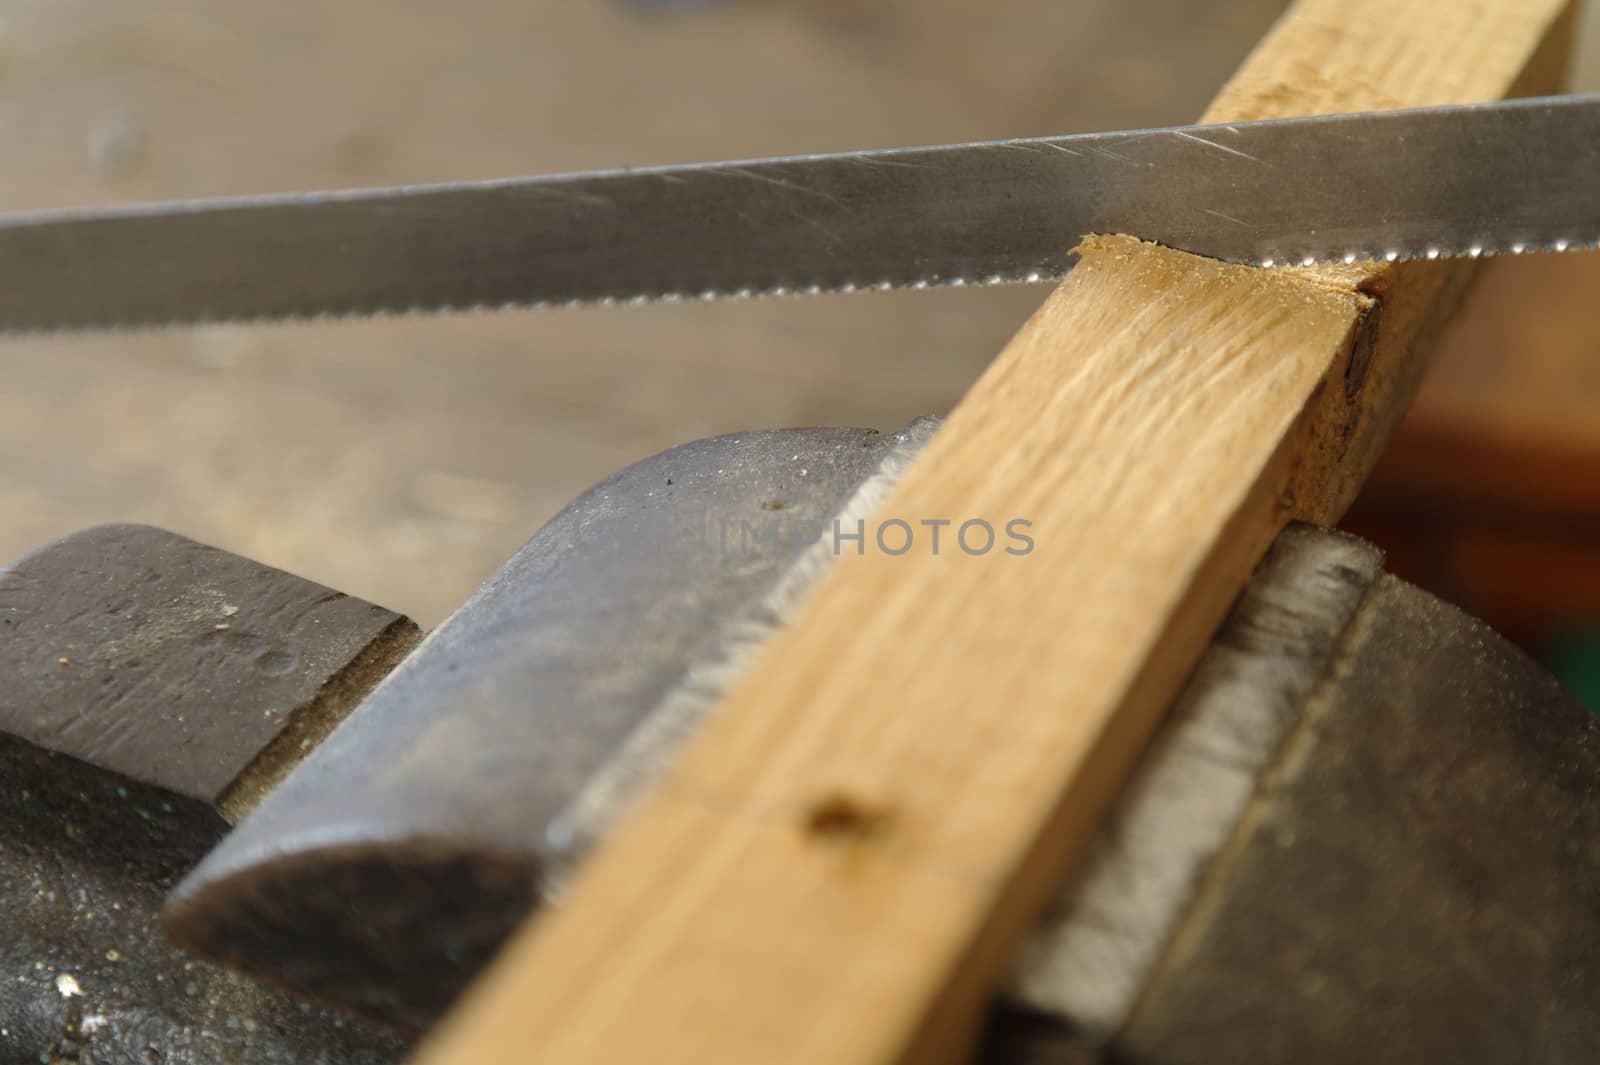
x=1158, y=420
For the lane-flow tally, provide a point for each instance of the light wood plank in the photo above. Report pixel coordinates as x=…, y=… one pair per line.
x=840, y=864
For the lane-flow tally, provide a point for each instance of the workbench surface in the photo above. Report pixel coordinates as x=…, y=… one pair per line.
x=401, y=460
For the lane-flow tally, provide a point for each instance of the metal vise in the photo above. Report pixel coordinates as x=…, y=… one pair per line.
x=1367, y=829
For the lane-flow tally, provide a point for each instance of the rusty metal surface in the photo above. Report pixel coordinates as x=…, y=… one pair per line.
x=1417, y=881
x=167, y=661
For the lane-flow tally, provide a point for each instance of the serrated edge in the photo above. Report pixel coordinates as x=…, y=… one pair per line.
x=1043, y=275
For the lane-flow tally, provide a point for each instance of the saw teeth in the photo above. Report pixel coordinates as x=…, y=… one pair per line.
x=1035, y=276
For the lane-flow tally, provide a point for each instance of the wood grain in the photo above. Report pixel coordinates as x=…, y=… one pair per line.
x=844, y=858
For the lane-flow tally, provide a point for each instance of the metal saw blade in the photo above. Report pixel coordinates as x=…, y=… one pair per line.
x=1472, y=180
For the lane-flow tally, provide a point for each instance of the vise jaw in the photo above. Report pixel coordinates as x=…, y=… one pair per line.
x=1363, y=802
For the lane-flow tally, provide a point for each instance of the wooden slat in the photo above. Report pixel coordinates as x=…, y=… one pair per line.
x=841, y=863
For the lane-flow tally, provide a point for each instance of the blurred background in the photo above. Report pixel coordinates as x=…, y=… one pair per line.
x=403, y=460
